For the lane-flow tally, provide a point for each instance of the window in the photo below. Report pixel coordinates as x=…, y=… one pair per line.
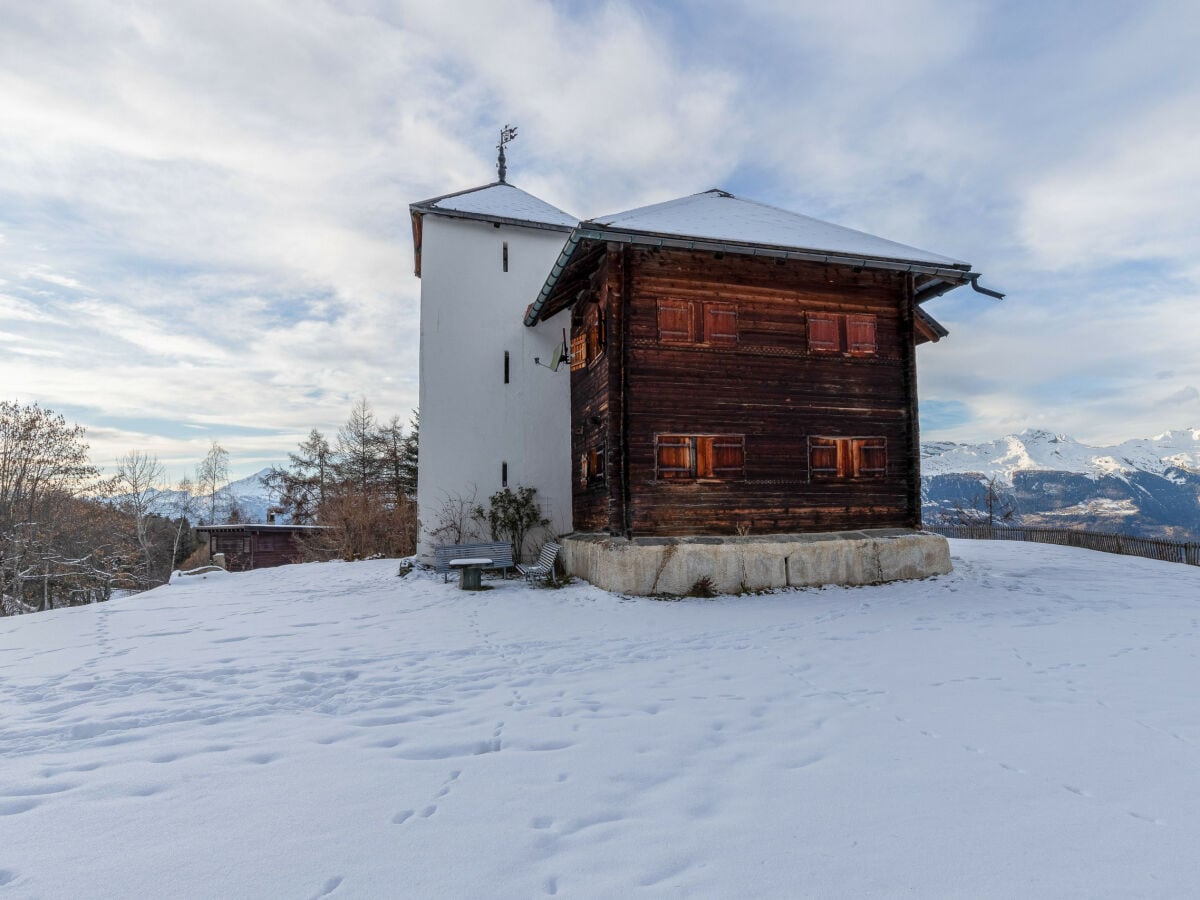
x=504, y=256
x=591, y=466
x=849, y=334
x=688, y=457
x=589, y=336
x=839, y=458
x=504, y=474
x=579, y=358
x=697, y=322
x=506, y=367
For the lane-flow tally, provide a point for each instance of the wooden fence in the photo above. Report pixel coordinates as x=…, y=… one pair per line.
x=1151, y=548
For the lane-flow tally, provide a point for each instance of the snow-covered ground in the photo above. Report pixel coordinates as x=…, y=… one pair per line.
x=1028, y=726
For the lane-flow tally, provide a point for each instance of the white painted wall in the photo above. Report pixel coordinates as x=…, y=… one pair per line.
x=471, y=421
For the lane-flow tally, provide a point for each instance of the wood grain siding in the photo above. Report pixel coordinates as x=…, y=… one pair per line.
x=768, y=386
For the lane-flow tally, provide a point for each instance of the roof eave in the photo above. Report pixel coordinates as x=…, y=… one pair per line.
x=954, y=274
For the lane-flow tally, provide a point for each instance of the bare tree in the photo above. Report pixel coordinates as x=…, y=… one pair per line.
x=212, y=476
x=137, y=483
x=455, y=521
x=991, y=504
x=49, y=554
x=185, y=507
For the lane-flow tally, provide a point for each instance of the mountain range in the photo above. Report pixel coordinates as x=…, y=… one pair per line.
x=1146, y=486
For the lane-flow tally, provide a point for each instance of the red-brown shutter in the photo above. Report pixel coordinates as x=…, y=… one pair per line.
x=823, y=457
x=720, y=324
x=823, y=333
x=596, y=464
x=579, y=357
x=860, y=335
x=674, y=456
x=870, y=457
x=675, y=322
x=728, y=457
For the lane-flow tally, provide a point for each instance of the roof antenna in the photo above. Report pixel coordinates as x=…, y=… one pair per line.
x=507, y=133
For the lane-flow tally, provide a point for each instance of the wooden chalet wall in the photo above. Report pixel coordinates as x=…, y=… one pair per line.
x=758, y=378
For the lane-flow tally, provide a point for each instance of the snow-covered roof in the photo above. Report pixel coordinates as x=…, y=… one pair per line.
x=498, y=202
x=716, y=220
x=717, y=215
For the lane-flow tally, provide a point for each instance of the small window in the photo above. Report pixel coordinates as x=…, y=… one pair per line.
x=589, y=337
x=676, y=323
x=841, y=458
x=579, y=351
x=697, y=322
x=852, y=335
x=506, y=367
x=686, y=457
x=504, y=474
x=591, y=466
x=504, y=255
x=720, y=324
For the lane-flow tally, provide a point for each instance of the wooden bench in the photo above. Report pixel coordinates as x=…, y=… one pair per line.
x=500, y=553
x=544, y=567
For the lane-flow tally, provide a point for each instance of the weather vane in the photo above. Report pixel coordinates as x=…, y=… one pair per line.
x=507, y=133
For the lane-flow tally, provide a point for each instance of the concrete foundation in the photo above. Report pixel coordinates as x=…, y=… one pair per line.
x=735, y=565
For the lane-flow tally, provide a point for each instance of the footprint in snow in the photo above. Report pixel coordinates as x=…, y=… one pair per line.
x=328, y=887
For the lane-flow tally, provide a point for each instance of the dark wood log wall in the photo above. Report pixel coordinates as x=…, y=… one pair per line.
x=768, y=386
x=256, y=550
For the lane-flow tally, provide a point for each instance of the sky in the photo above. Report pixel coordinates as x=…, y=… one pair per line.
x=204, y=229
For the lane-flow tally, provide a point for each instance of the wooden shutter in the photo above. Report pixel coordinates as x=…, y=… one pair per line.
x=675, y=456
x=728, y=456
x=870, y=457
x=596, y=464
x=720, y=324
x=676, y=323
x=823, y=457
x=860, y=335
x=824, y=333
x=579, y=357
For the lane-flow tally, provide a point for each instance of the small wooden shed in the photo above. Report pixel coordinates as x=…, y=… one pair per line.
x=255, y=546
x=738, y=369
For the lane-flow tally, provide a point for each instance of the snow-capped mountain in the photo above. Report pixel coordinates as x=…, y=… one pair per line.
x=246, y=494
x=1144, y=486
x=1035, y=450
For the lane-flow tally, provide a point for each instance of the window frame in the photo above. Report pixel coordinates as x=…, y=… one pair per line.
x=849, y=328
x=701, y=455
x=851, y=457
x=701, y=317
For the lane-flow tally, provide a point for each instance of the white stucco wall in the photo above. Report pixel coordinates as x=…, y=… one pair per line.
x=471, y=421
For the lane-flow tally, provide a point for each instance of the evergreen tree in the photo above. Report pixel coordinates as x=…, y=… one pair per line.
x=359, y=463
